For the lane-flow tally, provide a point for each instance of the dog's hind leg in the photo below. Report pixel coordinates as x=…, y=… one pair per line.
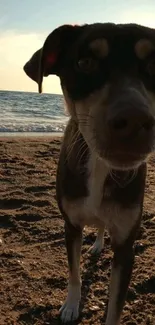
x=99, y=242
x=70, y=309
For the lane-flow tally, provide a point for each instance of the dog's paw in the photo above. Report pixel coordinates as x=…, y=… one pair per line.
x=69, y=312
x=70, y=309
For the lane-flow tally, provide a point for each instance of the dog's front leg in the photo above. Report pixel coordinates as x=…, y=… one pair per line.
x=120, y=278
x=73, y=236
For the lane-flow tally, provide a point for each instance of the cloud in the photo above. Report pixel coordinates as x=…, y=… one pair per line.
x=138, y=16
x=16, y=49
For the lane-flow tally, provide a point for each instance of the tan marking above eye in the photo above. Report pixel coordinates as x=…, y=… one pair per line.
x=143, y=48
x=100, y=47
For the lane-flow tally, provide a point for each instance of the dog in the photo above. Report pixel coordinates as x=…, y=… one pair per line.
x=107, y=75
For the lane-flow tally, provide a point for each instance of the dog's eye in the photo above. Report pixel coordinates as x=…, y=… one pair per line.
x=150, y=68
x=87, y=65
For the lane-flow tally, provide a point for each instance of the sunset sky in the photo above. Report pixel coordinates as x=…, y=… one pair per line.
x=25, y=24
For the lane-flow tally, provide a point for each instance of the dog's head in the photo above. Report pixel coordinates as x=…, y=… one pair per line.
x=107, y=75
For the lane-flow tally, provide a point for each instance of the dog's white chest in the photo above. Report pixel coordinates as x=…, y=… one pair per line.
x=94, y=211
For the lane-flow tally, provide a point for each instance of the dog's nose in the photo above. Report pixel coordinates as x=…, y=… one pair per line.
x=131, y=122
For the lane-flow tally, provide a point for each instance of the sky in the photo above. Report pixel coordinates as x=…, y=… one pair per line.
x=25, y=24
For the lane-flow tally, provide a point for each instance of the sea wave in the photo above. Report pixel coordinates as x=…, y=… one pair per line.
x=32, y=127
x=30, y=112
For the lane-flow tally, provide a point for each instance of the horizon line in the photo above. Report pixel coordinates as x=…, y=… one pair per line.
x=34, y=92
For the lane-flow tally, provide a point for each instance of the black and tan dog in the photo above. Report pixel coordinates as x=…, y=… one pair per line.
x=107, y=75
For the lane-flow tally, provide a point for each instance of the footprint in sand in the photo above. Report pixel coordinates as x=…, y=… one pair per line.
x=6, y=204
x=36, y=189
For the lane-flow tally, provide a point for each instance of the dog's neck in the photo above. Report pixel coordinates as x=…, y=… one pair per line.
x=98, y=172
x=81, y=158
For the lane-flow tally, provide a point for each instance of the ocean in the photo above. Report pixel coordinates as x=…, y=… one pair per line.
x=27, y=113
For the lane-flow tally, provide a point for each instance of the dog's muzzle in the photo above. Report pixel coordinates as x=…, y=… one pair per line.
x=129, y=130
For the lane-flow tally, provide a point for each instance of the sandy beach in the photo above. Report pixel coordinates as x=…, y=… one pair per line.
x=33, y=263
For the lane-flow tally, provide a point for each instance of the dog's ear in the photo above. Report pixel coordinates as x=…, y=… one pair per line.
x=31, y=68
x=47, y=60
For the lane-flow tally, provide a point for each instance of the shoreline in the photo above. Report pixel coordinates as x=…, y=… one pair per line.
x=25, y=135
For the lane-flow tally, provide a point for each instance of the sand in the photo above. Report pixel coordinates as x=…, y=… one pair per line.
x=33, y=265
